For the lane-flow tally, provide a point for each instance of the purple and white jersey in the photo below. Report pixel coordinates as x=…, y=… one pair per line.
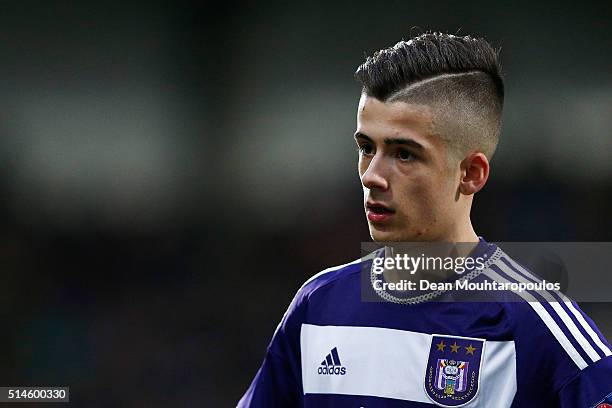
x=331, y=349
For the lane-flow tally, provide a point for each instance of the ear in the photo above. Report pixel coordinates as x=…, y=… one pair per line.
x=474, y=173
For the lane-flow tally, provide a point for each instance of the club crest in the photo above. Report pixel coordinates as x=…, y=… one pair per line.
x=453, y=369
x=604, y=403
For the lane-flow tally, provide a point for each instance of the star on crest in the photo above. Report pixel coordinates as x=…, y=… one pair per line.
x=470, y=350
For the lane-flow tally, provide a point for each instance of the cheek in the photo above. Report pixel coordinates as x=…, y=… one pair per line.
x=427, y=194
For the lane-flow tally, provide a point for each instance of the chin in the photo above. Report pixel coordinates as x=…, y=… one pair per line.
x=384, y=236
x=396, y=235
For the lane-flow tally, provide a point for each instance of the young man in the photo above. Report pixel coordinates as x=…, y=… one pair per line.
x=428, y=124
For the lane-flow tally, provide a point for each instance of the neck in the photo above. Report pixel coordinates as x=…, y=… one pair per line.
x=462, y=233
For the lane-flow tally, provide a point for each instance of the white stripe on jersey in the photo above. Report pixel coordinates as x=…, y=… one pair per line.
x=586, y=326
x=546, y=318
x=391, y=363
x=554, y=303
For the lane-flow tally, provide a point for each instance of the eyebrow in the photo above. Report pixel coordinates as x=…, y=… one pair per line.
x=392, y=141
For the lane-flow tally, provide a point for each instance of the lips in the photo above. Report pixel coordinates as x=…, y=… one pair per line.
x=378, y=212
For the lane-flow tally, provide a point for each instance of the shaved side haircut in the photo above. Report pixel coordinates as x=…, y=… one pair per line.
x=458, y=78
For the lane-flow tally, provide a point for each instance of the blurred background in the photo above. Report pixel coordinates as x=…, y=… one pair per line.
x=171, y=172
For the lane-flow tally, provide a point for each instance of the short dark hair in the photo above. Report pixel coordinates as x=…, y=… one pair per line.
x=460, y=77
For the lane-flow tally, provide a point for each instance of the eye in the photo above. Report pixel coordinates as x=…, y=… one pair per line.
x=405, y=155
x=365, y=149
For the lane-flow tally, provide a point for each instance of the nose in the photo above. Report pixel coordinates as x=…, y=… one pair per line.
x=374, y=176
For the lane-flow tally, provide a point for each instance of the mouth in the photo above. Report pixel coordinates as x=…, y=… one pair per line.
x=378, y=212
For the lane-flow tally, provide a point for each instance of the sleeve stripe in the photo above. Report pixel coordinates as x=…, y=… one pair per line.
x=555, y=304
x=586, y=326
x=547, y=319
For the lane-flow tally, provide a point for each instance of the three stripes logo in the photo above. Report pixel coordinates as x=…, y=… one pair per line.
x=331, y=365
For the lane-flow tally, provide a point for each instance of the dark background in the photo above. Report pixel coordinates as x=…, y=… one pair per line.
x=171, y=173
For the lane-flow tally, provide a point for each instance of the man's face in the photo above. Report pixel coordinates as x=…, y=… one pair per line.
x=410, y=188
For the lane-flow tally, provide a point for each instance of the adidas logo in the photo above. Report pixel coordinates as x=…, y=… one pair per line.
x=331, y=365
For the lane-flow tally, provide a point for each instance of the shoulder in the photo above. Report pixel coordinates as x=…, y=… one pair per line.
x=333, y=275
x=327, y=277
x=296, y=312
x=546, y=320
